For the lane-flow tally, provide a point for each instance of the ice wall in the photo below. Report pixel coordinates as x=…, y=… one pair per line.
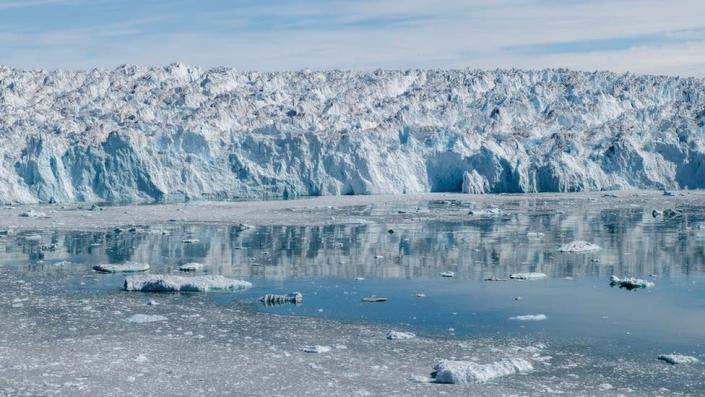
x=178, y=132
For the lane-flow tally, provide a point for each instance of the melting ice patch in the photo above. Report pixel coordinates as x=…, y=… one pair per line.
x=630, y=283
x=166, y=283
x=451, y=371
x=528, y=276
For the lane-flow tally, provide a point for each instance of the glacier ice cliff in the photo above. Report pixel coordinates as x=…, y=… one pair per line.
x=179, y=133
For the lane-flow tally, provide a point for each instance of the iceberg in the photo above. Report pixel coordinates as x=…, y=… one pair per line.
x=127, y=267
x=579, y=246
x=463, y=372
x=527, y=276
x=272, y=299
x=529, y=317
x=166, y=283
x=399, y=335
x=677, y=359
x=145, y=134
x=191, y=267
x=630, y=283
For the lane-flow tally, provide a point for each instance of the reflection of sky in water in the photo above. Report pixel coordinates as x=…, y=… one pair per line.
x=321, y=262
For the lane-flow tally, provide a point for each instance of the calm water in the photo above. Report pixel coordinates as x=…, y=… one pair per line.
x=323, y=261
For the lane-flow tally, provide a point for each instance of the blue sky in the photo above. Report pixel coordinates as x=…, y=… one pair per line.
x=647, y=36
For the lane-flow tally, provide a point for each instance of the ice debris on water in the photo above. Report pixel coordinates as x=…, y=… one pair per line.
x=667, y=213
x=374, y=299
x=677, y=359
x=630, y=283
x=534, y=235
x=527, y=276
x=191, y=267
x=190, y=241
x=127, y=267
x=447, y=274
x=145, y=318
x=579, y=246
x=399, y=335
x=485, y=212
x=463, y=372
x=529, y=317
x=33, y=214
x=273, y=299
x=167, y=283
x=316, y=349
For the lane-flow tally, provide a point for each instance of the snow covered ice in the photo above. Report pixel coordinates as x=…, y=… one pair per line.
x=129, y=267
x=678, y=359
x=181, y=132
x=579, y=246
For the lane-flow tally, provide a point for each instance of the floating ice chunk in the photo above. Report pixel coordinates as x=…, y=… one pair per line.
x=527, y=276
x=604, y=387
x=145, y=318
x=398, y=335
x=272, y=299
x=190, y=240
x=579, y=246
x=486, y=212
x=495, y=278
x=359, y=279
x=677, y=359
x=630, y=283
x=534, y=235
x=165, y=283
x=127, y=267
x=667, y=213
x=374, y=299
x=529, y=317
x=243, y=226
x=447, y=274
x=191, y=267
x=33, y=214
x=450, y=371
x=316, y=349
x=420, y=295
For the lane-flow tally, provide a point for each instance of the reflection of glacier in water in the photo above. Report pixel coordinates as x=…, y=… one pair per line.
x=400, y=259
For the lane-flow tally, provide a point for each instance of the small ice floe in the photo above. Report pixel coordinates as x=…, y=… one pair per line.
x=529, y=317
x=165, y=283
x=667, y=213
x=32, y=237
x=398, y=335
x=495, y=278
x=271, y=299
x=318, y=349
x=190, y=240
x=33, y=214
x=191, y=267
x=447, y=274
x=527, y=276
x=127, y=267
x=374, y=299
x=420, y=295
x=243, y=226
x=677, y=359
x=152, y=302
x=534, y=235
x=463, y=372
x=145, y=318
x=359, y=279
x=486, y=212
x=579, y=246
x=630, y=283
x=62, y=263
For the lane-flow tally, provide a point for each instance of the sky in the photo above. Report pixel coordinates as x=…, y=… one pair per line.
x=646, y=36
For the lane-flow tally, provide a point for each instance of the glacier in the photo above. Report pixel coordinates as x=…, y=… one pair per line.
x=144, y=134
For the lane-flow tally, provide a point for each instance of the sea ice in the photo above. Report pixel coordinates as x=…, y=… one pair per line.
x=316, y=349
x=191, y=267
x=272, y=299
x=167, y=283
x=447, y=274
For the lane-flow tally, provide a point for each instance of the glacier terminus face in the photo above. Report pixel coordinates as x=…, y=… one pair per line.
x=137, y=134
